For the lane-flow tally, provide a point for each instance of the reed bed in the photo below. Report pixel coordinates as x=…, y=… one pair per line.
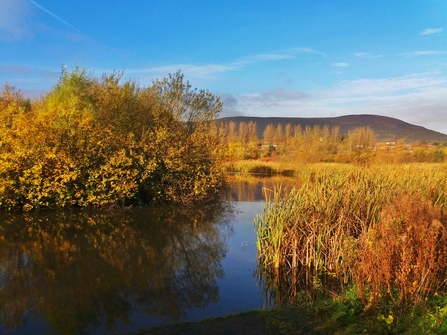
x=260, y=167
x=325, y=227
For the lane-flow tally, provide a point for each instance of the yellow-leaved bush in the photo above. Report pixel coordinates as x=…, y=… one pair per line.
x=96, y=141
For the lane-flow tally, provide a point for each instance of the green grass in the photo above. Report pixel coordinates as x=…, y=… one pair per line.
x=341, y=315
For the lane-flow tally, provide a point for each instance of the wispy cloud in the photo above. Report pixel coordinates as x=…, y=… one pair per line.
x=55, y=16
x=279, y=94
x=307, y=51
x=27, y=77
x=270, y=103
x=291, y=53
x=13, y=15
x=423, y=53
x=210, y=71
x=265, y=57
x=431, y=31
x=206, y=71
x=366, y=55
x=373, y=88
x=341, y=64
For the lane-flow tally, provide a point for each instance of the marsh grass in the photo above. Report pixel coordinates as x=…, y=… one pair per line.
x=340, y=224
x=261, y=167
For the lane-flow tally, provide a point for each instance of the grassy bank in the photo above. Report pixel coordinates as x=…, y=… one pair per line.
x=259, y=322
x=326, y=316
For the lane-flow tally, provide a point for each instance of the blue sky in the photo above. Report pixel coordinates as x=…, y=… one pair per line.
x=313, y=58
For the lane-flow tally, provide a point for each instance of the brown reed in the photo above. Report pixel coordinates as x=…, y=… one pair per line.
x=321, y=225
x=404, y=255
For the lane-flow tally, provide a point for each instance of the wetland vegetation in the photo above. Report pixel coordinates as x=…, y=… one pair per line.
x=369, y=242
x=356, y=238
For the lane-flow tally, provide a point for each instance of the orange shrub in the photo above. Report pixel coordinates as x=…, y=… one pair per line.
x=404, y=255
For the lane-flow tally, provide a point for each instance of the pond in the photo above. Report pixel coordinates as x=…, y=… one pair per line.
x=109, y=272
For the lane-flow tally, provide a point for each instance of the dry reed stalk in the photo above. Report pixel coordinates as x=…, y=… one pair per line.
x=318, y=225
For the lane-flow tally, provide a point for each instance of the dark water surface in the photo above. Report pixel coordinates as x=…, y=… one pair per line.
x=113, y=272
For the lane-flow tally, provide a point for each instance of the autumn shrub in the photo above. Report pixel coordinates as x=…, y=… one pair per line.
x=99, y=142
x=404, y=255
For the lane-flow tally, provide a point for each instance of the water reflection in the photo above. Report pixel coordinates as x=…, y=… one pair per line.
x=81, y=269
x=286, y=287
x=245, y=187
x=283, y=287
x=99, y=272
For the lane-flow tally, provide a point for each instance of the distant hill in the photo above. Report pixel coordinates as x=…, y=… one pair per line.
x=385, y=128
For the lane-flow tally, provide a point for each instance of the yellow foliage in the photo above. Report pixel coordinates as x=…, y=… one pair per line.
x=96, y=142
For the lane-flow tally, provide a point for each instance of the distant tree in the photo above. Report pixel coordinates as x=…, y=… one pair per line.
x=288, y=134
x=361, y=139
x=243, y=134
x=297, y=136
x=269, y=134
x=279, y=134
x=232, y=132
x=252, y=133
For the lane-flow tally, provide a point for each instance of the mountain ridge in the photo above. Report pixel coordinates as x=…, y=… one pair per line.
x=385, y=128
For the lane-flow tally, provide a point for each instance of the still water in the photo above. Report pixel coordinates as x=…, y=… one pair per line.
x=113, y=272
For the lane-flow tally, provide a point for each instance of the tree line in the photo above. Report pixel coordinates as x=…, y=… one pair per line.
x=316, y=144
x=312, y=144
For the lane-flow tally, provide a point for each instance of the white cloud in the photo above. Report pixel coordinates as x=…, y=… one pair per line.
x=307, y=51
x=366, y=55
x=431, y=31
x=283, y=55
x=341, y=64
x=370, y=87
x=13, y=16
x=276, y=102
x=263, y=58
x=424, y=53
x=277, y=95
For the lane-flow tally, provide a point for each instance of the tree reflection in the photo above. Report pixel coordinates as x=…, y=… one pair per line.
x=79, y=269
